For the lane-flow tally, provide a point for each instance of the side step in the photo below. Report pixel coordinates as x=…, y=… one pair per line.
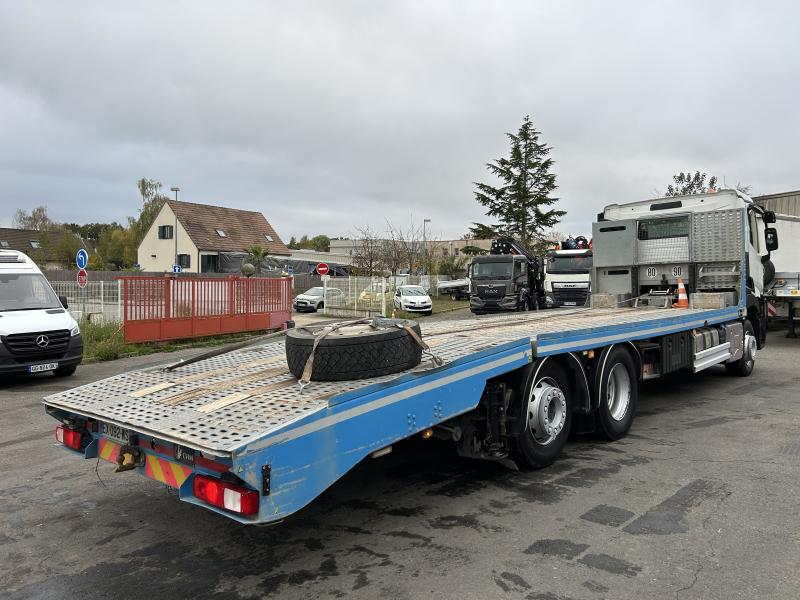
x=711, y=356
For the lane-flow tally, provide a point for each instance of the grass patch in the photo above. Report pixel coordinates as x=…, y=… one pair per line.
x=105, y=341
x=440, y=304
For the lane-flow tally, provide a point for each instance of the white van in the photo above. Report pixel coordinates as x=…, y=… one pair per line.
x=36, y=331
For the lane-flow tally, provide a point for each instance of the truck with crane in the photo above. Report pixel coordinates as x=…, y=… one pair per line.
x=241, y=434
x=508, y=279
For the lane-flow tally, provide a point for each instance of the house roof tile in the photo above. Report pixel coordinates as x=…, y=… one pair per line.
x=20, y=239
x=242, y=228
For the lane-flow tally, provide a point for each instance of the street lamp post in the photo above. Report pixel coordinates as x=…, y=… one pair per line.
x=175, y=231
x=424, y=245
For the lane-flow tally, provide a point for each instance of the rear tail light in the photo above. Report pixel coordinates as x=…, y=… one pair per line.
x=229, y=496
x=71, y=438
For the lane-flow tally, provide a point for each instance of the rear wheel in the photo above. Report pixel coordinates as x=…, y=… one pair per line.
x=547, y=413
x=617, y=394
x=744, y=366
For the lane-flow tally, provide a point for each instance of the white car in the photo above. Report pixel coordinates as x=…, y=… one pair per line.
x=312, y=300
x=413, y=298
x=36, y=331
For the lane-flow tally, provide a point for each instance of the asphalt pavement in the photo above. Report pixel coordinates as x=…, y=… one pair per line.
x=701, y=500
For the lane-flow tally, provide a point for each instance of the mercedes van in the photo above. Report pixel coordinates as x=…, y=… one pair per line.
x=37, y=333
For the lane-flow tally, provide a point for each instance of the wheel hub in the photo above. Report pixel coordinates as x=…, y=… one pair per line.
x=547, y=411
x=750, y=348
x=618, y=391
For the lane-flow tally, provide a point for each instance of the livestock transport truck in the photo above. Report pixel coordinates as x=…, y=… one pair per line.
x=240, y=434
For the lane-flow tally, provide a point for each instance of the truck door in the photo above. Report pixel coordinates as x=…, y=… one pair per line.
x=755, y=250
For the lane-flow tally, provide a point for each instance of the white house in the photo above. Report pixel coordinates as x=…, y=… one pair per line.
x=194, y=235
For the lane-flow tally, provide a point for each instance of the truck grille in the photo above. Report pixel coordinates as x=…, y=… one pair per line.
x=491, y=291
x=578, y=296
x=24, y=346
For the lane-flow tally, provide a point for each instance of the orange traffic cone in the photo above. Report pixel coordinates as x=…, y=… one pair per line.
x=683, y=299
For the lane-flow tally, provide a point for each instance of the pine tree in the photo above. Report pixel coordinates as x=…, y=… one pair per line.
x=522, y=203
x=686, y=184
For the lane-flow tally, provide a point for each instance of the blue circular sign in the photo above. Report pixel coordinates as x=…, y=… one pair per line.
x=82, y=258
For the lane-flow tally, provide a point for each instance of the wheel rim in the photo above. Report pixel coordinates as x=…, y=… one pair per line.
x=547, y=411
x=618, y=391
x=750, y=349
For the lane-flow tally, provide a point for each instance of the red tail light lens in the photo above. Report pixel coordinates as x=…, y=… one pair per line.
x=71, y=438
x=229, y=496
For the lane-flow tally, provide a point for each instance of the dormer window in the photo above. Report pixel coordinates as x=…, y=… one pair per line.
x=221, y=232
x=269, y=237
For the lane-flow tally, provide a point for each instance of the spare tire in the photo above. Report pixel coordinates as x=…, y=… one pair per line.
x=354, y=351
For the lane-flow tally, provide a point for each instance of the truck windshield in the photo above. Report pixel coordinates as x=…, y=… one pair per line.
x=27, y=291
x=569, y=264
x=491, y=270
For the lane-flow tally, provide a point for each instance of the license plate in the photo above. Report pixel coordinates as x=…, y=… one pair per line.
x=44, y=367
x=183, y=454
x=116, y=433
x=570, y=304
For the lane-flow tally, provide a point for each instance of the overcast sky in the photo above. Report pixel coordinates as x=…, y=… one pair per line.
x=329, y=115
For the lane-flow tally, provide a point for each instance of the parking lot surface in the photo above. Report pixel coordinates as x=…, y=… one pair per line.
x=701, y=500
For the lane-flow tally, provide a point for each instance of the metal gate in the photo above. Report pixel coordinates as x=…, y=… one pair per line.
x=168, y=308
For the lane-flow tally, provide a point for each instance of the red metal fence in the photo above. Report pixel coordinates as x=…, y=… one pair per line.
x=168, y=308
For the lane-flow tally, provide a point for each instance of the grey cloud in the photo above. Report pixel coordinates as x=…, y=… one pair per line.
x=328, y=115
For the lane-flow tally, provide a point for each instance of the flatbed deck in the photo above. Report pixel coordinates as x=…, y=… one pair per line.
x=233, y=403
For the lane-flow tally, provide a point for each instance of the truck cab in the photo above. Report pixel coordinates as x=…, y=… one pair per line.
x=567, y=277
x=509, y=278
x=495, y=282
x=717, y=242
x=36, y=331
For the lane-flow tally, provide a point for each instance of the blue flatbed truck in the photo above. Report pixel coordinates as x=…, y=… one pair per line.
x=235, y=433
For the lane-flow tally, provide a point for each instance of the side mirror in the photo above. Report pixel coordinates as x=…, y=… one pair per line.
x=63, y=300
x=771, y=238
x=769, y=217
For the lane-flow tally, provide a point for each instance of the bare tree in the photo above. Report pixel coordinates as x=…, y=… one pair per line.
x=367, y=251
x=38, y=219
x=395, y=250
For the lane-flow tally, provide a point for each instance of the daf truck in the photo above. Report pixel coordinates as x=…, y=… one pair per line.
x=567, y=277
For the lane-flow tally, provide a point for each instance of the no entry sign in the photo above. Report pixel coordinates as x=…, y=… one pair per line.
x=322, y=269
x=83, y=278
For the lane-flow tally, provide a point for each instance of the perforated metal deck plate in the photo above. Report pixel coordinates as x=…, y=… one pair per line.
x=257, y=395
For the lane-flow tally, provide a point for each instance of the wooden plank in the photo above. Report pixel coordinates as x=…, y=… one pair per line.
x=185, y=396
x=223, y=402
x=152, y=389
